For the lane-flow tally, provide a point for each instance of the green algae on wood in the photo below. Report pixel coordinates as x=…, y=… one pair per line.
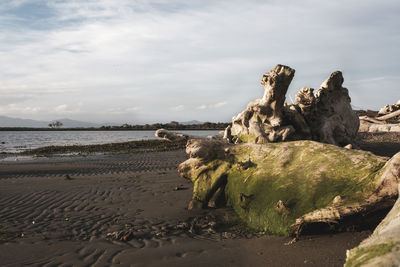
x=305, y=176
x=300, y=176
x=361, y=256
x=382, y=248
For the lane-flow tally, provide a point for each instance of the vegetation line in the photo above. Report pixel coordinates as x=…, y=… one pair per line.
x=173, y=125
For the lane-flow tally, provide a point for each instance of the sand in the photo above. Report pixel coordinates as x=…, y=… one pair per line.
x=49, y=219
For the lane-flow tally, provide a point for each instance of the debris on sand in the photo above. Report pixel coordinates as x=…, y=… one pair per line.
x=386, y=120
x=207, y=226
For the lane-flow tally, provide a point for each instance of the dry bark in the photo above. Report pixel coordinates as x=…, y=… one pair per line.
x=215, y=165
x=263, y=118
x=171, y=136
x=382, y=248
x=332, y=119
x=384, y=197
x=326, y=116
x=389, y=108
x=389, y=121
x=389, y=116
x=367, y=126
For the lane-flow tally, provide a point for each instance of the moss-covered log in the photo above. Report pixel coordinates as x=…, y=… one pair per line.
x=283, y=188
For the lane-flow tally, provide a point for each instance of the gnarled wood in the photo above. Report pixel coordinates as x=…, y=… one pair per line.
x=389, y=116
x=262, y=120
x=326, y=116
x=171, y=136
x=256, y=179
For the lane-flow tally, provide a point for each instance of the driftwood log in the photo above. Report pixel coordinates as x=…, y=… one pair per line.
x=389, y=116
x=326, y=116
x=382, y=248
x=388, y=120
x=172, y=136
x=289, y=188
x=367, y=126
x=389, y=108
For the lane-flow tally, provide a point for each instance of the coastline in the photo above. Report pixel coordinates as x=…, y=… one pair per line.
x=123, y=147
x=48, y=218
x=126, y=204
x=381, y=144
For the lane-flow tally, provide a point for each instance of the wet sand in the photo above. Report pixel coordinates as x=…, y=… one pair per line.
x=65, y=211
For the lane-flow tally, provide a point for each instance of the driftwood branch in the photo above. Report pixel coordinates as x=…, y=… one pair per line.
x=369, y=119
x=389, y=116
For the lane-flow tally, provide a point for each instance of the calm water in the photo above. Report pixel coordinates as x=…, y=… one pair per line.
x=17, y=141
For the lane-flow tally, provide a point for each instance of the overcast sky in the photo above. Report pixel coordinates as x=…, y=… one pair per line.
x=148, y=61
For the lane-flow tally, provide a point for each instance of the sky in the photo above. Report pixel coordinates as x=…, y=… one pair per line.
x=140, y=61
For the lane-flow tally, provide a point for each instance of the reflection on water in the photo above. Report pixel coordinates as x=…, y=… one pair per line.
x=17, y=141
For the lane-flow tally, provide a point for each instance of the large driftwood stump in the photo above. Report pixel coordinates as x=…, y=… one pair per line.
x=262, y=120
x=326, y=116
x=289, y=188
x=330, y=116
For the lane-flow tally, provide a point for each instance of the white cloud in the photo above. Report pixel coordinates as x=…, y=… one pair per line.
x=121, y=111
x=14, y=109
x=178, y=108
x=210, y=106
x=220, y=104
x=133, y=109
x=162, y=53
x=66, y=109
x=61, y=108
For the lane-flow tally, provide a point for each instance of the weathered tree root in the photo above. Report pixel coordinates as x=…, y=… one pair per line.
x=366, y=126
x=172, y=136
x=291, y=187
x=382, y=248
x=382, y=199
x=326, y=116
x=215, y=165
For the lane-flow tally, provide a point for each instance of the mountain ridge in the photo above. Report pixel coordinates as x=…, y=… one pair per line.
x=6, y=121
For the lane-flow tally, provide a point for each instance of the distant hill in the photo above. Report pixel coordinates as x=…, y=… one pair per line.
x=191, y=122
x=67, y=123
x=16, y=122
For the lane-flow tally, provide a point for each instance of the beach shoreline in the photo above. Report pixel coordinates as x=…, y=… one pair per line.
x=131, y=208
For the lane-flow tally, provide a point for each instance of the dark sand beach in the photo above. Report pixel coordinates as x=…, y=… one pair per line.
x=131, y=209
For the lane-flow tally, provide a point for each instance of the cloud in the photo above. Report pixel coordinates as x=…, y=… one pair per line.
x=220, y=104
x=14, y=109
x=178, y=108
x=159, y=53
x=66, y=109
x=210, y=106
x=120, y=111
x=10, y=99
x=133, y=109
x=61, y=108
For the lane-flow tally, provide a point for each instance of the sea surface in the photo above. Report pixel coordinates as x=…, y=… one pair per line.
x=18, y=141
